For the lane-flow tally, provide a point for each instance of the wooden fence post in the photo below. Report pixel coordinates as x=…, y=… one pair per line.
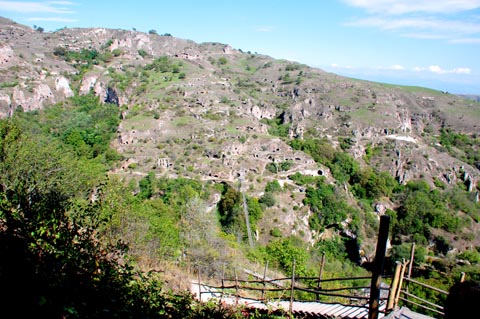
x=412, y=256
x=393, y=288
x=320, y=275
x=410, y=267
x=236, y=287
x=400, y=283
x=199, y=286
x=223, y=282
x=292, y=289
x=263, y=281
x=378, y=267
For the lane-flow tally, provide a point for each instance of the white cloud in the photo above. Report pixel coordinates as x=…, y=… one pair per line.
x=337, y=66
x=439, y=70
x=415, y=23
x=462, y=71
x=52, y=19
x=452, y=20
x=36, y=7
x=396, y=67
x=415, y=6
x=436, y=69
x=419, y=69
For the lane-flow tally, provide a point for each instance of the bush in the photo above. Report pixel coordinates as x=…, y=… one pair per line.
x=470, y=255
x=284, y=251
x=267, y=199
x=275, y=232
x=273, y=186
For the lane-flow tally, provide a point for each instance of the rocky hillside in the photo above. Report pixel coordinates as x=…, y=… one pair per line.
x=211, y=112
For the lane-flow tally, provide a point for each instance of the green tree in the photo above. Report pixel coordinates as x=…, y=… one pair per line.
x=283, y=252
x=268, y=199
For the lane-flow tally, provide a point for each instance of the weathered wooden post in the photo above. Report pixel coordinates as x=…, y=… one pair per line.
x=236, y=287
x=412, y=257
x=199, y=286
x=400, y=283
x=223, y=281
x=378, y=267
x=320, y=276
x=292, y=289
x=393, y=288
x=263, y=281
x=410, y=267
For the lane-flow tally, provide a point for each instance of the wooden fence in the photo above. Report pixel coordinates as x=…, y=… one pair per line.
x=402, y=284
x=370, y=292
x=365, y=293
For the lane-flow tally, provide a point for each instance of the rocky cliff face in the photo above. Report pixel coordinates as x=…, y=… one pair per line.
x=208, y=110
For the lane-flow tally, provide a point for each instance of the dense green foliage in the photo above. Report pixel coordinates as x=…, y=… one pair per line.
x=278, y=167
x=84, y=59
x=52, y=264
x=277, y=128
x=461, y=146
x=320, y=149
x=273, y=187
x=164, y=64
x=85, y=128
x=327, y=205
x=285, y=251
x=422, y=211
x=65, y=256
x=423, y=208
x=231, y=211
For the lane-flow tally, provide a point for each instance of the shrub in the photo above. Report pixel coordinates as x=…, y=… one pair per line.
x=267, y=199
x=275, y=232
x=273, y=186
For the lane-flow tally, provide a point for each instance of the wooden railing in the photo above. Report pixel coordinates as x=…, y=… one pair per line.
x=366, y=292
x=295, y=289
x=399, y=290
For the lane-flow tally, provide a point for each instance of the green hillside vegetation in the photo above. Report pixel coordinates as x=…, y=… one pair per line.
x=56, y=160
x=66, y=256
x=110, y=210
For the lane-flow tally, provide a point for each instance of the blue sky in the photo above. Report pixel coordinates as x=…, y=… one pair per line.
x=432, y=43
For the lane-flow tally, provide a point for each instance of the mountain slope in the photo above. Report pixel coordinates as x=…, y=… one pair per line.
x=213, y=113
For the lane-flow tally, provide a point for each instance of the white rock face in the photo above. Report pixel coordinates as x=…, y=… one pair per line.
x=63, y=85
x=402, y=138
x=263, y=112
x=122, y=43
x=41, y=94
x=88, y=83
x=143, y=42
x=6, y=54
x=100, y=90
x=18, y=97
x=5, y=105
